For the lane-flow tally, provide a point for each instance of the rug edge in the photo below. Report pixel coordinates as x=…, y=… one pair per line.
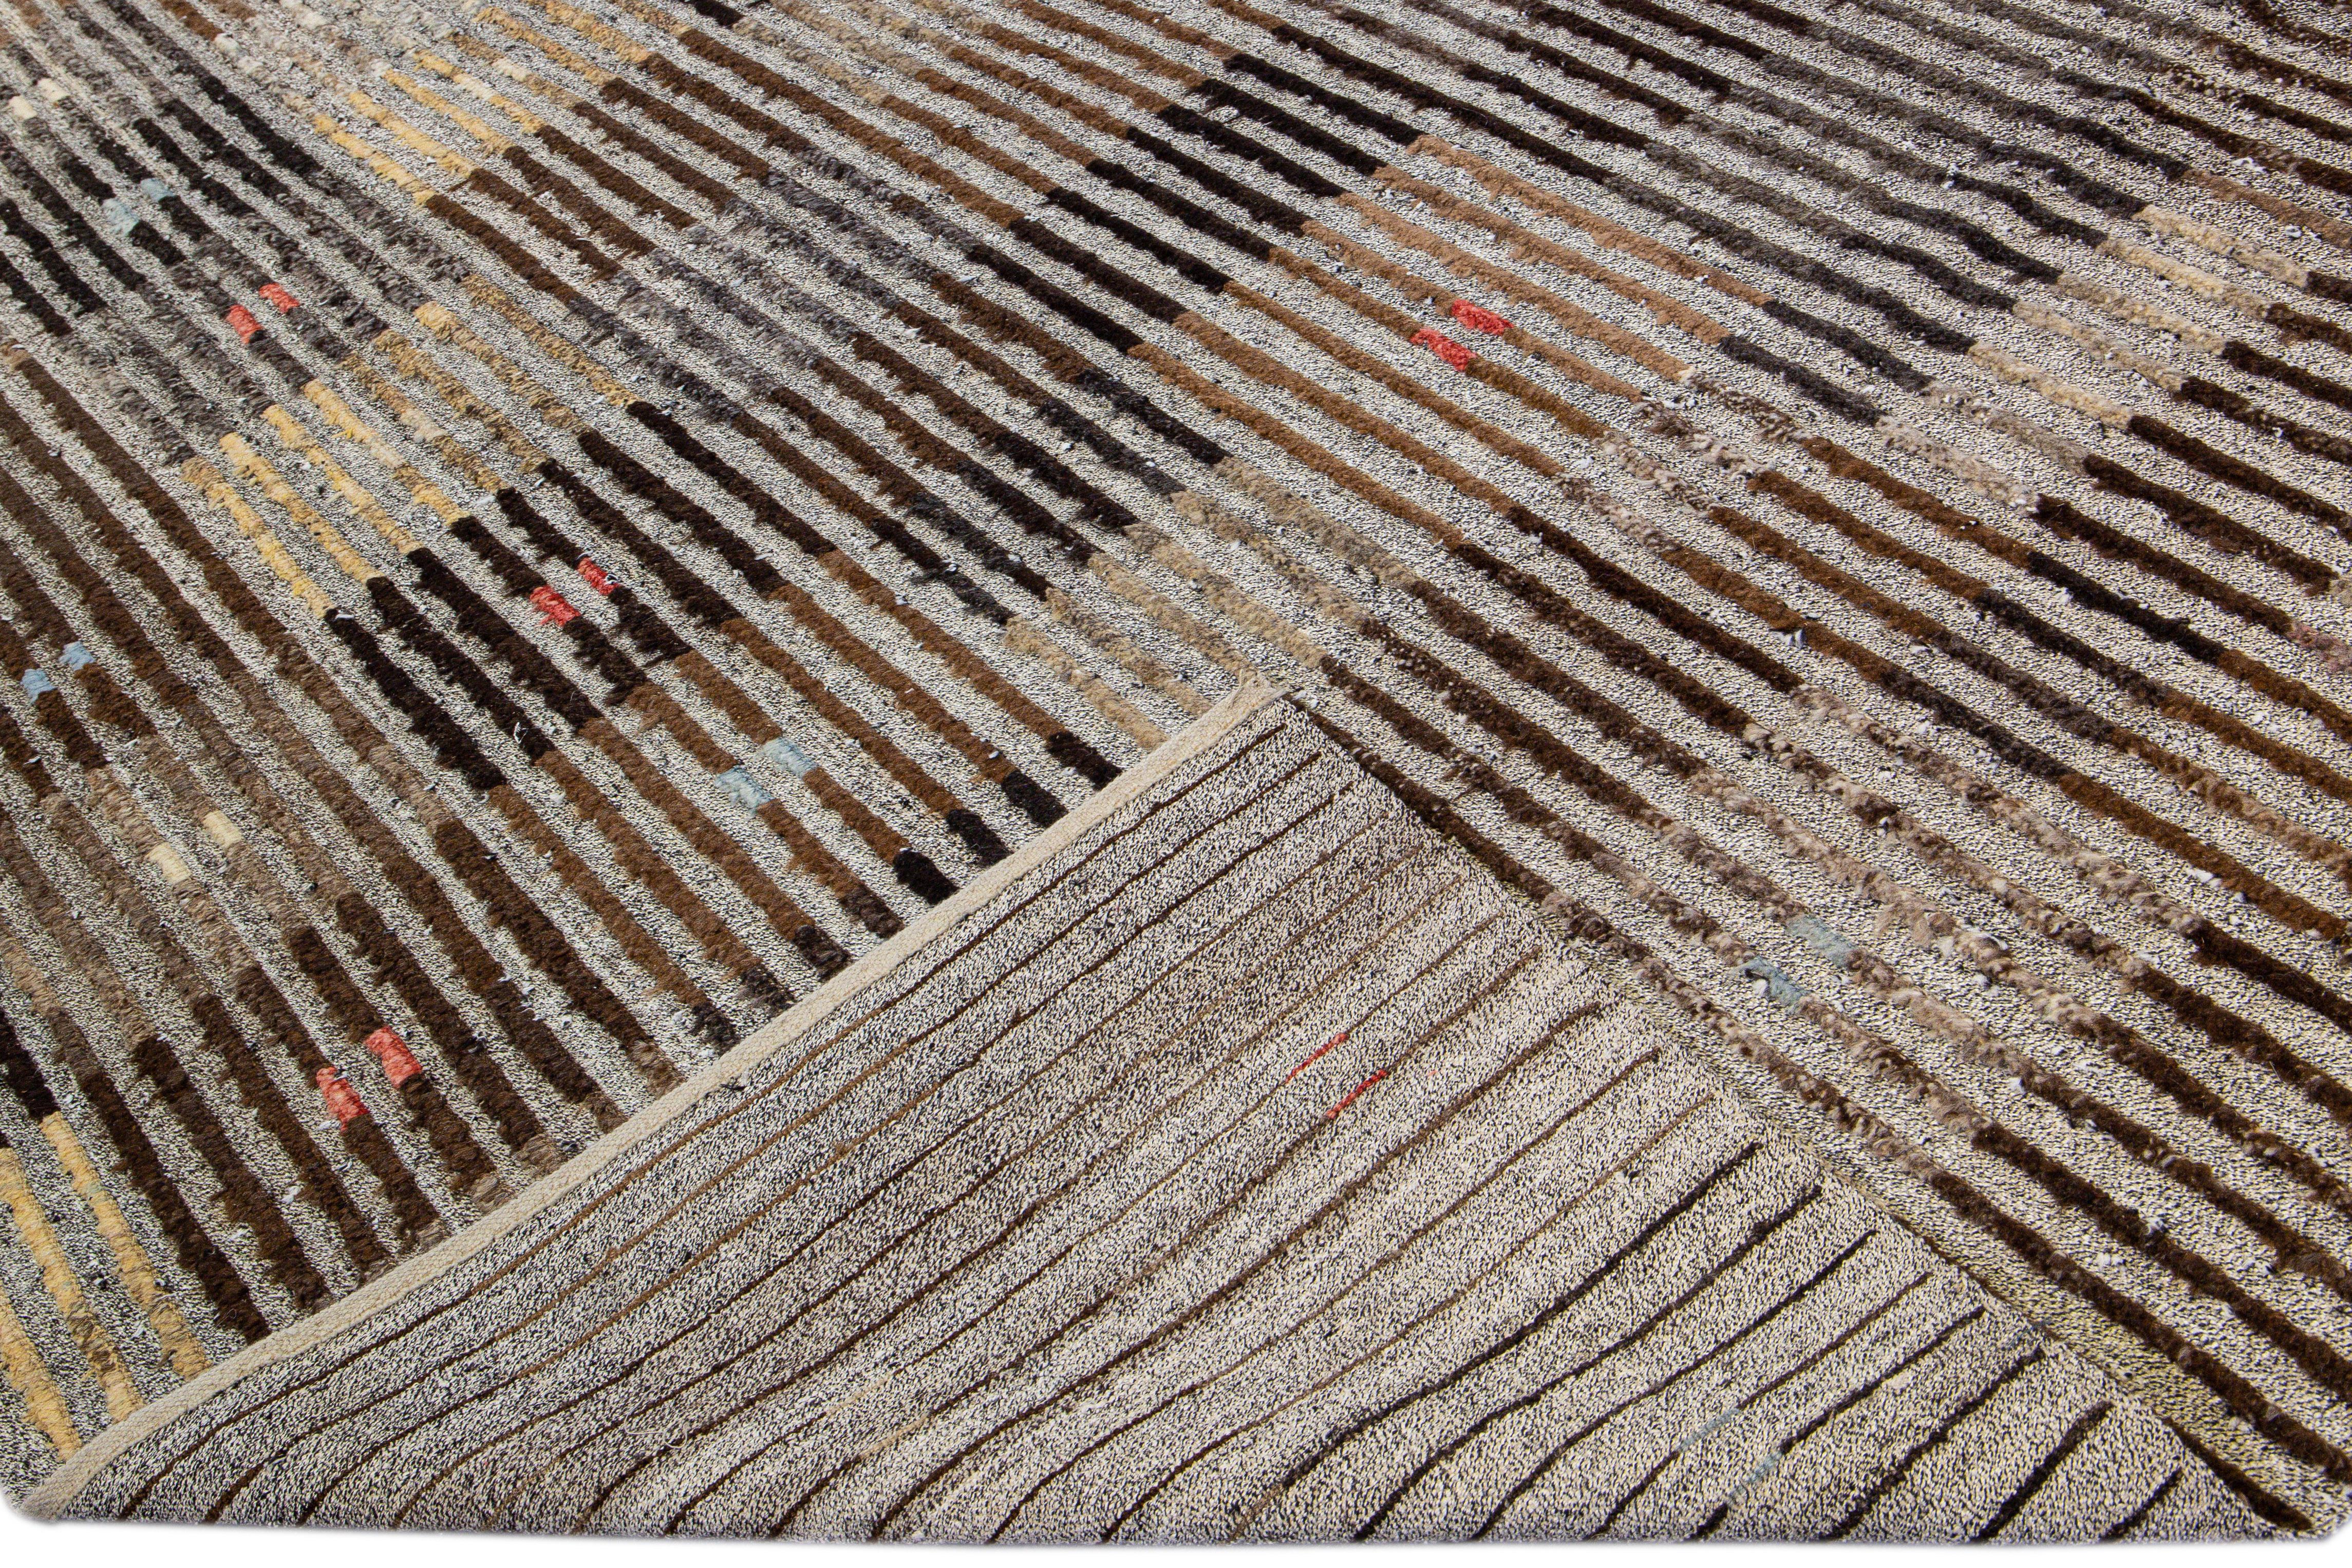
x=53, y=1499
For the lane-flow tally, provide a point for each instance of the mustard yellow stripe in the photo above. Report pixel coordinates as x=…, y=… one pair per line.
x=205, y=477
x=352, y=428
x=383, y=166
x=473, y=124
x=30, y=1379
x=354, y=494
x=438, y=319
x=130, y=1261
x=256, y=468
x=530, y=122
x=561, y=352
x=596, y=74
x=588, y=28
x=408, y=136
x=98, y=1347
x=412, y=362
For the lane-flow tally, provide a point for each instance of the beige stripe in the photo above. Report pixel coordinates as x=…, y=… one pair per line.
x=167, y=858
x=491, y=16
x=349, y=425
x=588, y=28
x=473, y=124
x=1023, y=637
x=2194, y=279
x=2221, y=242
x=438, y=319
x=522, y=116
x=561, y=350
x=383, y=166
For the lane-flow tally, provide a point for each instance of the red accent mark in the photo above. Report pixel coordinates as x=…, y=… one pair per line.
x=552, y=605
x=1478, y=318
x=1444, y=347
x=241, y=322
x=595, y=576
x=1318, y=1051
x=2332, y=652
x=1349, y=1098
x=277, y=294
x=400, y=1064
x=341, y=1098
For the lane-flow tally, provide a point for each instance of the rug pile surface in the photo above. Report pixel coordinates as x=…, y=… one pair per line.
x=1078, y=770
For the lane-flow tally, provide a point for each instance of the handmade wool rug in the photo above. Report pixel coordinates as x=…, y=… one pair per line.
x=1073, y=770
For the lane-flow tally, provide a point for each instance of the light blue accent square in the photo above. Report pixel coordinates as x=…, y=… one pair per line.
x=788, y=756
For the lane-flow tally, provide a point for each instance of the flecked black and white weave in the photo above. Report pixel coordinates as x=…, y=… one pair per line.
x=1776, y=967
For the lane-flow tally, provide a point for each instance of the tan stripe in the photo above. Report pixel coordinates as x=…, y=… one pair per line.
x=130, y=1261
x=106, y=1363
x=349, y=425
x=1229, y=597
x=1147, y=670
x=514, y=28
x=2008, y=366
x=408, y=136
x=1168, y=616
x=2131, y=308
x=167, y=858
x=1615, y=235
x=560, y=350
x=2194, y=279
x=2049, y=319
x=1023, y=637
x=2221, y=242
x=473, y=124
x=1528, y=246
x=43, y=1405
x=439, y=320
x=587, y=27
x=410, y=361
x=256, y=468
x=383, y=166
x=207, y=479
x=522, y=116
x=2334, y=231
x=1576, y=320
